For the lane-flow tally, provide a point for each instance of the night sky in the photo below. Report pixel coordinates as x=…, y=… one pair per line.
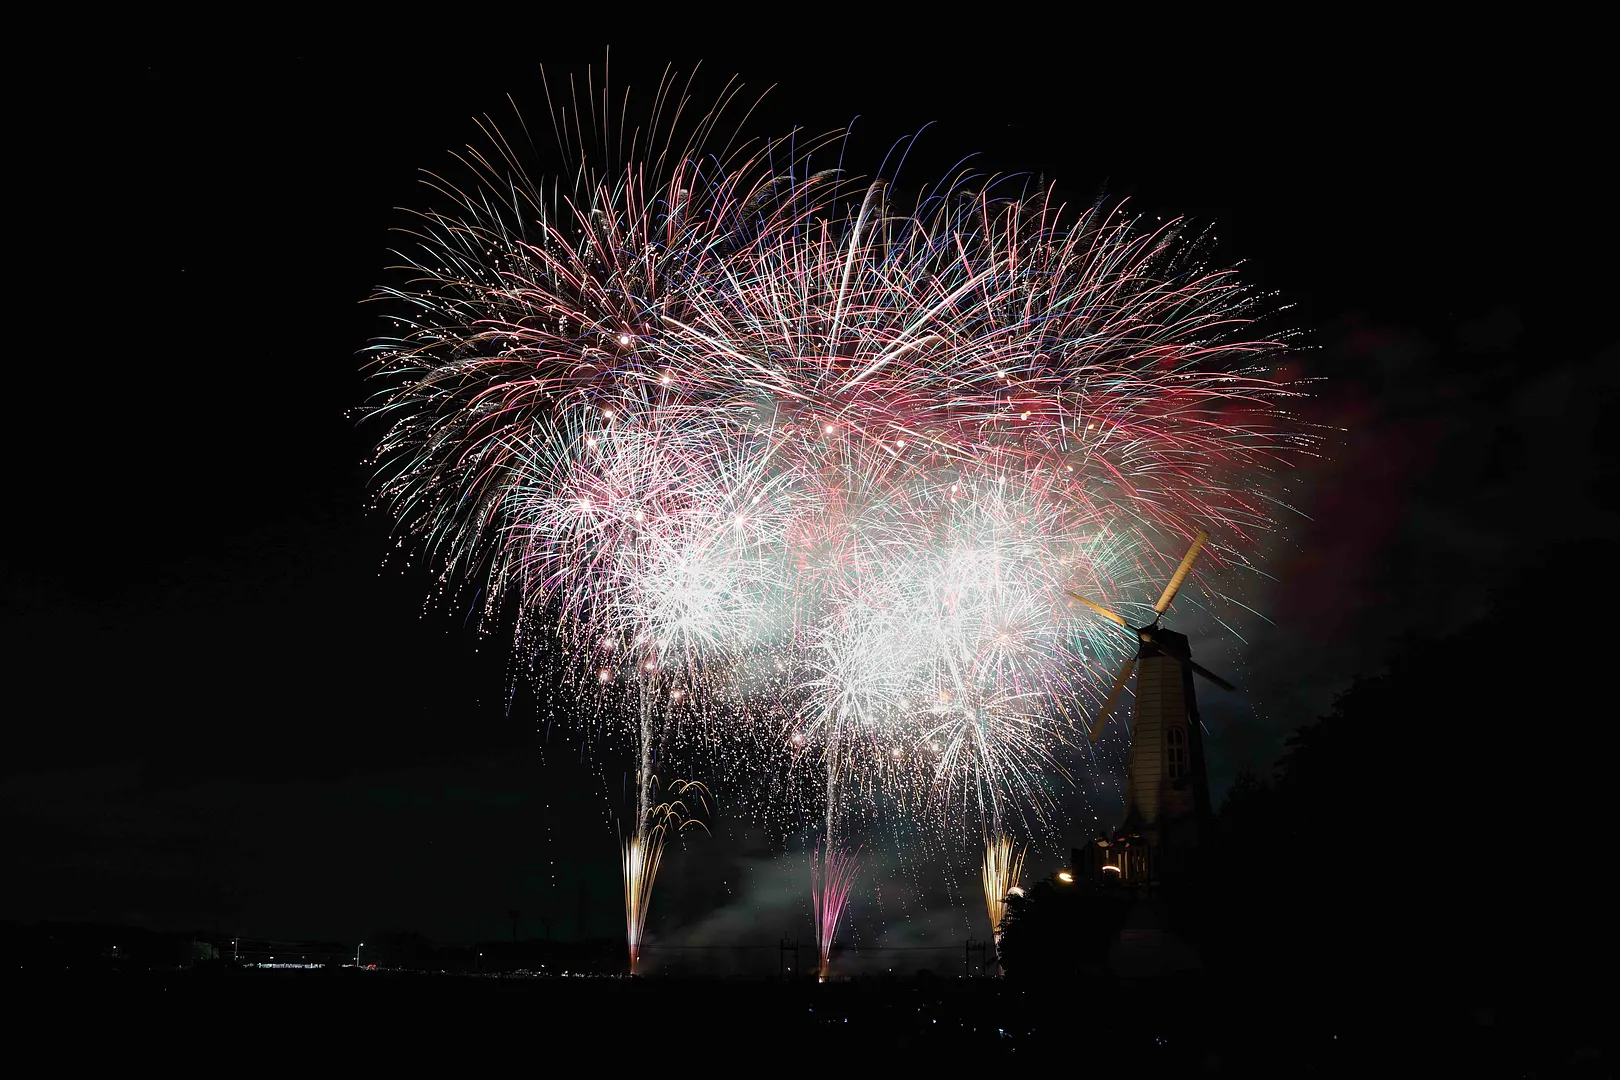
x=223, y=713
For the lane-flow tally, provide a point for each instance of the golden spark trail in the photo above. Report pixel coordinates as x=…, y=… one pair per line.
x=644, y=851
x=1000, y=875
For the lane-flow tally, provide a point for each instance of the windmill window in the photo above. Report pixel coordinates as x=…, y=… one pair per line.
x=1176, y=748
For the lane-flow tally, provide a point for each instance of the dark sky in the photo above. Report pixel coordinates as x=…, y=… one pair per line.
x=222, y=714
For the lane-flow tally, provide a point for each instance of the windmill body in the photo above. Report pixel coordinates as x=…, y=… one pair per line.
x=1167, y=805
x=1166, y=785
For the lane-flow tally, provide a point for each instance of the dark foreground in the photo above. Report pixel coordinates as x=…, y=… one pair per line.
x=365, y=1019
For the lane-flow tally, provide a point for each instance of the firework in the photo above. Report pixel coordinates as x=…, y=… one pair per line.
x=832, y=875
x=644, y=851
x=1000, y=875
x=960, y=407
x=781, y=463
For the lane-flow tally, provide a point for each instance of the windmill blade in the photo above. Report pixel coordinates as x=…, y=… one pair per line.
x=1181, y=572
x=1099, y=609
x=1120, y=680
x=1210, y=675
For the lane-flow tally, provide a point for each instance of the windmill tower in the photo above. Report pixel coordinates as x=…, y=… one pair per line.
x=1166, y=787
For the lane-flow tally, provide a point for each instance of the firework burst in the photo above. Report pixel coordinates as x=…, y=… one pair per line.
x=773, y=451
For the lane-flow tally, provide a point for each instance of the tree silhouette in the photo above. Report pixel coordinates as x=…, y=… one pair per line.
x=1436, y=841
x=1436, y=831
x=1056, y=932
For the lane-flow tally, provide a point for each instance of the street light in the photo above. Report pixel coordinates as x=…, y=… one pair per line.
x=1065, y=877
x=357, y=949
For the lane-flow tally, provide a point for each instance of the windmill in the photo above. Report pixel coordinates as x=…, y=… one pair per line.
x=1166, y=789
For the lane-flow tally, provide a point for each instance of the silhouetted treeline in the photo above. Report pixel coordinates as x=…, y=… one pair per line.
x=1440, y=838
x=88, y=946
x=1445, y=825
